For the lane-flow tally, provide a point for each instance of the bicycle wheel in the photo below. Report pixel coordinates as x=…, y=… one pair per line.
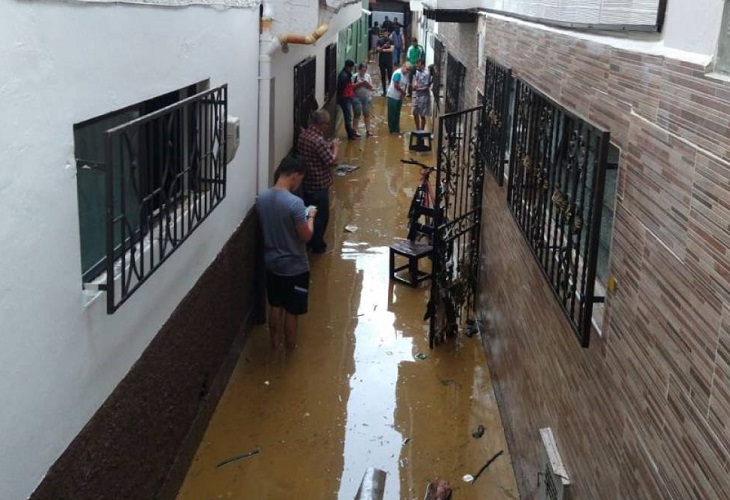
x=414, y=213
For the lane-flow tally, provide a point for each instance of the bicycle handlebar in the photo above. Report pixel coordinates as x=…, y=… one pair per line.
x=411, y=161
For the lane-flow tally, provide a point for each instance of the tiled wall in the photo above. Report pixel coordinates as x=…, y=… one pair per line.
x=460, y=40
x=645, y=411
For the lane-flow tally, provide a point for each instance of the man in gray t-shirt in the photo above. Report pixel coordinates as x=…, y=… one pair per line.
x=287, y=226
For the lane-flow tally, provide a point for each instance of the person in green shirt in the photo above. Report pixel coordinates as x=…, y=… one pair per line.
x=415, y=52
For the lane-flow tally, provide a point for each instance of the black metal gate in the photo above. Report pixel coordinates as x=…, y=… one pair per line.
x=496, y=122
x=459, y=181
x=555, y=191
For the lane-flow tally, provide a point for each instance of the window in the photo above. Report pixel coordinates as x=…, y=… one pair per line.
x=305, y=77
x=606, y=234
x=147, y=176
x=557, y=183
x=330, y=71
x=722, y=62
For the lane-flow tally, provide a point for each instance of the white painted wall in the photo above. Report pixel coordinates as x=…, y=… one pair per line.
x=62, y=63
x=283, y=73
x=690, y=33
x=693, y=25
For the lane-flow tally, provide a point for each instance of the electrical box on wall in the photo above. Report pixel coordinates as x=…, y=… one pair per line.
x=233, y=137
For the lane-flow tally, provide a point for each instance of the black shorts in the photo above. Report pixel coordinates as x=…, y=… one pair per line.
x=289, y=292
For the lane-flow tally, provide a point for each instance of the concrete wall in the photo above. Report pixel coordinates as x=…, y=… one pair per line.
x=643, y=412
x=64, y=63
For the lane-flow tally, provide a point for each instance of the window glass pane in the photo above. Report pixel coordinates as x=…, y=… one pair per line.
x=90, y=184
x=607, y=213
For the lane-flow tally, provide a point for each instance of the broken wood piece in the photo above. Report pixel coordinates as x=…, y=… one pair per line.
x=484, y=467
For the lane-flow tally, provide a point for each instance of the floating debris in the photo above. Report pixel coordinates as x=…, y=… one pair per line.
x=468, y=478
x=351, y=228
x=343, y=169
x=438, y=489
x=422, y=356
x=479, y=432
x=238, y=458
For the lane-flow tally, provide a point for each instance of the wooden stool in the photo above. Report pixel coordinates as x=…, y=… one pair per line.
x=413, y=252
x=420, y=141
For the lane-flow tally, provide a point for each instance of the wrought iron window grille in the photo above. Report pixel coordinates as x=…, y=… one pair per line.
x=305, y=102
x=496, y=119
x=455, y=76
x=555, y=192
x=164, y=174
x=330, y=71
x=438, y=63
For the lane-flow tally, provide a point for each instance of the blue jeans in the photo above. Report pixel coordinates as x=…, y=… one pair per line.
x=346, y=106
x=321, y=200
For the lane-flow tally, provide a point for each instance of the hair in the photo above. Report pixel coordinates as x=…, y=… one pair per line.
x=349, y=63
x=420, y=60
x=320, y=116
x=290, y=165
x=362, y=66
x=414, y=40
x=407, y=65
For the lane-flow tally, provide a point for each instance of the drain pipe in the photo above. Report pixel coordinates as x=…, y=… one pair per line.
x=268, y=46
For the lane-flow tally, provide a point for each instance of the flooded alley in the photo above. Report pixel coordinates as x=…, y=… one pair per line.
x=362, y=389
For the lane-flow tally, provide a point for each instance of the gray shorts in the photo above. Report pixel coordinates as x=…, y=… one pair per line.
x=361, y=106
x=422, y=105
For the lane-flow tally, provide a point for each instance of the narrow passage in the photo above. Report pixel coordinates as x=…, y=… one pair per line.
x=362, y=389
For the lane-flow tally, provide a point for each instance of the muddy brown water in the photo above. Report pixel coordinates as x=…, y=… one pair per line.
x=355, y=393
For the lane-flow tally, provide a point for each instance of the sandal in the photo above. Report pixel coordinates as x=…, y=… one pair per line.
x=368, y=134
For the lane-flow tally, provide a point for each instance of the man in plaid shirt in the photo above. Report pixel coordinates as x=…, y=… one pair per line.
x=319, y=155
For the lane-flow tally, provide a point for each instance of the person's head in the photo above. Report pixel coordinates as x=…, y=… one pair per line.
x=321, y=119
x=414, y=41
x=290, y=172
x=376, y=24
x=362, y=69
x=384, y=34
x=350, y=65
x=419, y=64
x=395, y=20
x=406, y=68
x=386, y=18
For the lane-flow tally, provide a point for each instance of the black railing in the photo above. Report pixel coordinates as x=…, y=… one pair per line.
x=438, y=63
x=455, y=75
x=460, y=176
x=305, y=81
x=330, y=71
x=496, y=121
x=555, y=192
x=165, y=172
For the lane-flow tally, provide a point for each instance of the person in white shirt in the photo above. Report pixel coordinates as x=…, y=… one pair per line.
x=361, y=103
x=396, y=91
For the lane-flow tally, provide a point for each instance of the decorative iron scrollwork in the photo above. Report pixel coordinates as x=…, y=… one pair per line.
x=555, y=193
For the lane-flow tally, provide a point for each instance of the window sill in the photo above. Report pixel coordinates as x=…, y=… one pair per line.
x=152, y=248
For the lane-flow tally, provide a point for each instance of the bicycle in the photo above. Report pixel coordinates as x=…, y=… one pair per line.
x=422, y=205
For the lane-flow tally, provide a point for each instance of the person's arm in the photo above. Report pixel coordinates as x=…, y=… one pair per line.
x=397, y=82
x=305, y=229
